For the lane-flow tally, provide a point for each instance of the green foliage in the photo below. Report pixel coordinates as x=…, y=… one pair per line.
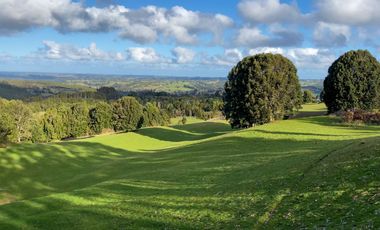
x=260, y=89
x=55, y=123
x=100, y=117
x=153, y=116
x=20, y=115
x=353, y=82
x=108, y=93
x=184, y=120
x=308, y=97
x=127, y=114
x=78, y=120
x=37, y=129
x=6, y=123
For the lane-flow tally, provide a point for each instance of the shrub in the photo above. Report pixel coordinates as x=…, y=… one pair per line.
x=361, y=116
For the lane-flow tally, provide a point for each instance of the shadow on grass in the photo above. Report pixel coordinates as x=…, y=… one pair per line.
x=189, y=132
x=294, y=133
x=228, y=183
x=336, y=122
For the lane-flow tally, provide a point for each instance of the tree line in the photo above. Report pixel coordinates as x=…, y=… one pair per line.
x=82, y=114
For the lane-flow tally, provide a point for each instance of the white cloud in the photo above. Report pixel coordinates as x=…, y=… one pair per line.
x=269, y=11
x=330, y=35
x=261, y=50
x=349, y=12
x=253, y=37
x=54, y=50
x=142, y=25
x=302, y=57
x=144, y=55
x=183, y=55
x=229, y=58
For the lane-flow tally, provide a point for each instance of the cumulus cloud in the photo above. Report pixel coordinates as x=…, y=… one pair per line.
x=349, y=12
x=269, y=11
x=183, y=55
x=145, y=55
x=302, y=57
x=229, y=58
x=261, y=50
x=329, y=35
x=54, y=50
x=253, y=37
x=142, y=25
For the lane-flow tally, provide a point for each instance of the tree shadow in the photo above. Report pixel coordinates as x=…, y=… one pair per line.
x=189, y=132
x=336, y=122
x=294, y=133
x=232, y=182
x=205, y=127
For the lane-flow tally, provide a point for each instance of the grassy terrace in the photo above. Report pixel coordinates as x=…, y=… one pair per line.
x=304, y=172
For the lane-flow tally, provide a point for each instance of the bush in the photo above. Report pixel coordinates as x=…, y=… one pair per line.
x=361, y=116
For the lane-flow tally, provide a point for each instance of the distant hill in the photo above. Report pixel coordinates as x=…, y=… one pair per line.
x=35, y=84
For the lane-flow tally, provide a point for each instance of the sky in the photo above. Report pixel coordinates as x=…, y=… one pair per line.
x=203, y=38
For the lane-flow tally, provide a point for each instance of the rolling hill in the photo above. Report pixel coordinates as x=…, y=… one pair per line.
x=308, y=172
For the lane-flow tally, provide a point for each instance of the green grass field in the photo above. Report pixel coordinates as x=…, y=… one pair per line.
x=309, y=172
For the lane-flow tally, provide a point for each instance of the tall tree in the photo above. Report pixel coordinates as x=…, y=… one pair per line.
x=100, y=117
x=353, y=82
x=78, y=120
x=20, y=114
x=260, y=89
x=127, y=114
x=308, y=96
x=153, y=116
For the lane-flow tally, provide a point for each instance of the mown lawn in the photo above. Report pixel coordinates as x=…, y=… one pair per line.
x=310, y=172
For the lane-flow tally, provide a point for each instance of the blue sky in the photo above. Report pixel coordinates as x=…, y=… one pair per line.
x=181, y=38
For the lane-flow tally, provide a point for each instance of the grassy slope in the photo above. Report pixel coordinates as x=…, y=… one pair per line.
x=309, y=172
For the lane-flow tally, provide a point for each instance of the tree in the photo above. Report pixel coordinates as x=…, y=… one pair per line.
x=353, y=82
x=37, y=129
x=109, y=93
x=20, y=114
x=55, y=123
x=153, y=116
x=127, y=114
x=6, y=122
x=260, y=89
x=78, y=120
x=100, y=117
x=308, y=96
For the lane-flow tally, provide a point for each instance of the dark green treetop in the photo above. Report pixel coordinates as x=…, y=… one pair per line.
x=260, y=89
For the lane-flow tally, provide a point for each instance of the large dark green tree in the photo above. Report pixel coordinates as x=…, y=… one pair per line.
x=127, y=114
x=260, y=89
x=353, y=82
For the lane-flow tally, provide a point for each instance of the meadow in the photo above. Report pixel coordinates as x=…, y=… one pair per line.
x=307, y=172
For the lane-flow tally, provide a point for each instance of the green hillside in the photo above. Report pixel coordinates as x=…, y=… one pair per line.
x=309, y=172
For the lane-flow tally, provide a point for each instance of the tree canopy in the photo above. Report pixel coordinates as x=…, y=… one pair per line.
x=260, y=89
x=353, y=82
x=127, y=114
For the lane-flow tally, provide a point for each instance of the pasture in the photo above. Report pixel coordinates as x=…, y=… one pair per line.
x=304, y=172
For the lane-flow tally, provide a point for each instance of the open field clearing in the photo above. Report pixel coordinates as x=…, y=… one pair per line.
x=306, y=172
